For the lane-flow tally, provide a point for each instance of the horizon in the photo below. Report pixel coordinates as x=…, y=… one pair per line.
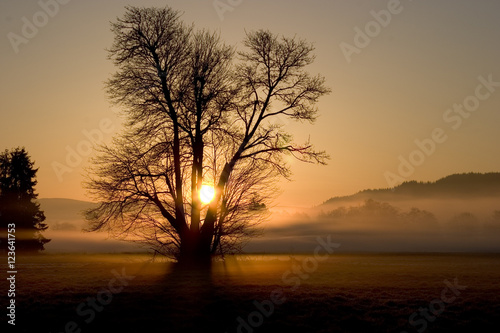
x=342, y=196
x=370, y=221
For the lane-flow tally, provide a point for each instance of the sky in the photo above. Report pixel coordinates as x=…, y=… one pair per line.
x=415, y=86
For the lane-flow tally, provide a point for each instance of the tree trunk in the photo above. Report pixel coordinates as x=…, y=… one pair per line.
x=193, y=251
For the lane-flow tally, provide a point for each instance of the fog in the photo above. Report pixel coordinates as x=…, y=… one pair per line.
x=66, y=225
x=75, y=241
x=409, y=225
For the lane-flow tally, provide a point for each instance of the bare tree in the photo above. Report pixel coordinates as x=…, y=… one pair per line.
x=198, y=113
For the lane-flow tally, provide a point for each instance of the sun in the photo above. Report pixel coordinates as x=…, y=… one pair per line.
x=207, y=193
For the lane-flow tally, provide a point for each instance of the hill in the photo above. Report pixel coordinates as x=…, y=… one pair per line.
x=457, y=213
x=65, y=220
x=64, y=214
x=456, y=186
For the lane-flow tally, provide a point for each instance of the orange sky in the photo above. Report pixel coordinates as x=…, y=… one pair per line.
x=415, y=92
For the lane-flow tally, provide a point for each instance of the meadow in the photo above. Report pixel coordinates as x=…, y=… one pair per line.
x=259, y=293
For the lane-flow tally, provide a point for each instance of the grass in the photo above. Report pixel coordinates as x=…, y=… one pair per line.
x=345, y=293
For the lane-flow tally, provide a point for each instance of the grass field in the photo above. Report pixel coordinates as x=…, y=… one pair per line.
x=343, y=293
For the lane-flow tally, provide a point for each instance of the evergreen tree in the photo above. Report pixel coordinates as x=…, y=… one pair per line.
x=17, y=201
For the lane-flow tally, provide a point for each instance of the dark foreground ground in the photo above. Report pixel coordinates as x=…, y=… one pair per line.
x=344, y=293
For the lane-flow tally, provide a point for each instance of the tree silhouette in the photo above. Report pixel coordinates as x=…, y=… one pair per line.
x=17, y=205
x=465, y=223
x=198, y=113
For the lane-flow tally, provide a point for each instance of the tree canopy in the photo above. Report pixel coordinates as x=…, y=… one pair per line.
x=199, y=112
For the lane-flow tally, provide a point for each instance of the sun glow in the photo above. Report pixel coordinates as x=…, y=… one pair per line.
x=207, y=193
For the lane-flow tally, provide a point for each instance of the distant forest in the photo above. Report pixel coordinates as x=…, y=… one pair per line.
x=464, y=203
x=454, y=186
x=385, y=214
